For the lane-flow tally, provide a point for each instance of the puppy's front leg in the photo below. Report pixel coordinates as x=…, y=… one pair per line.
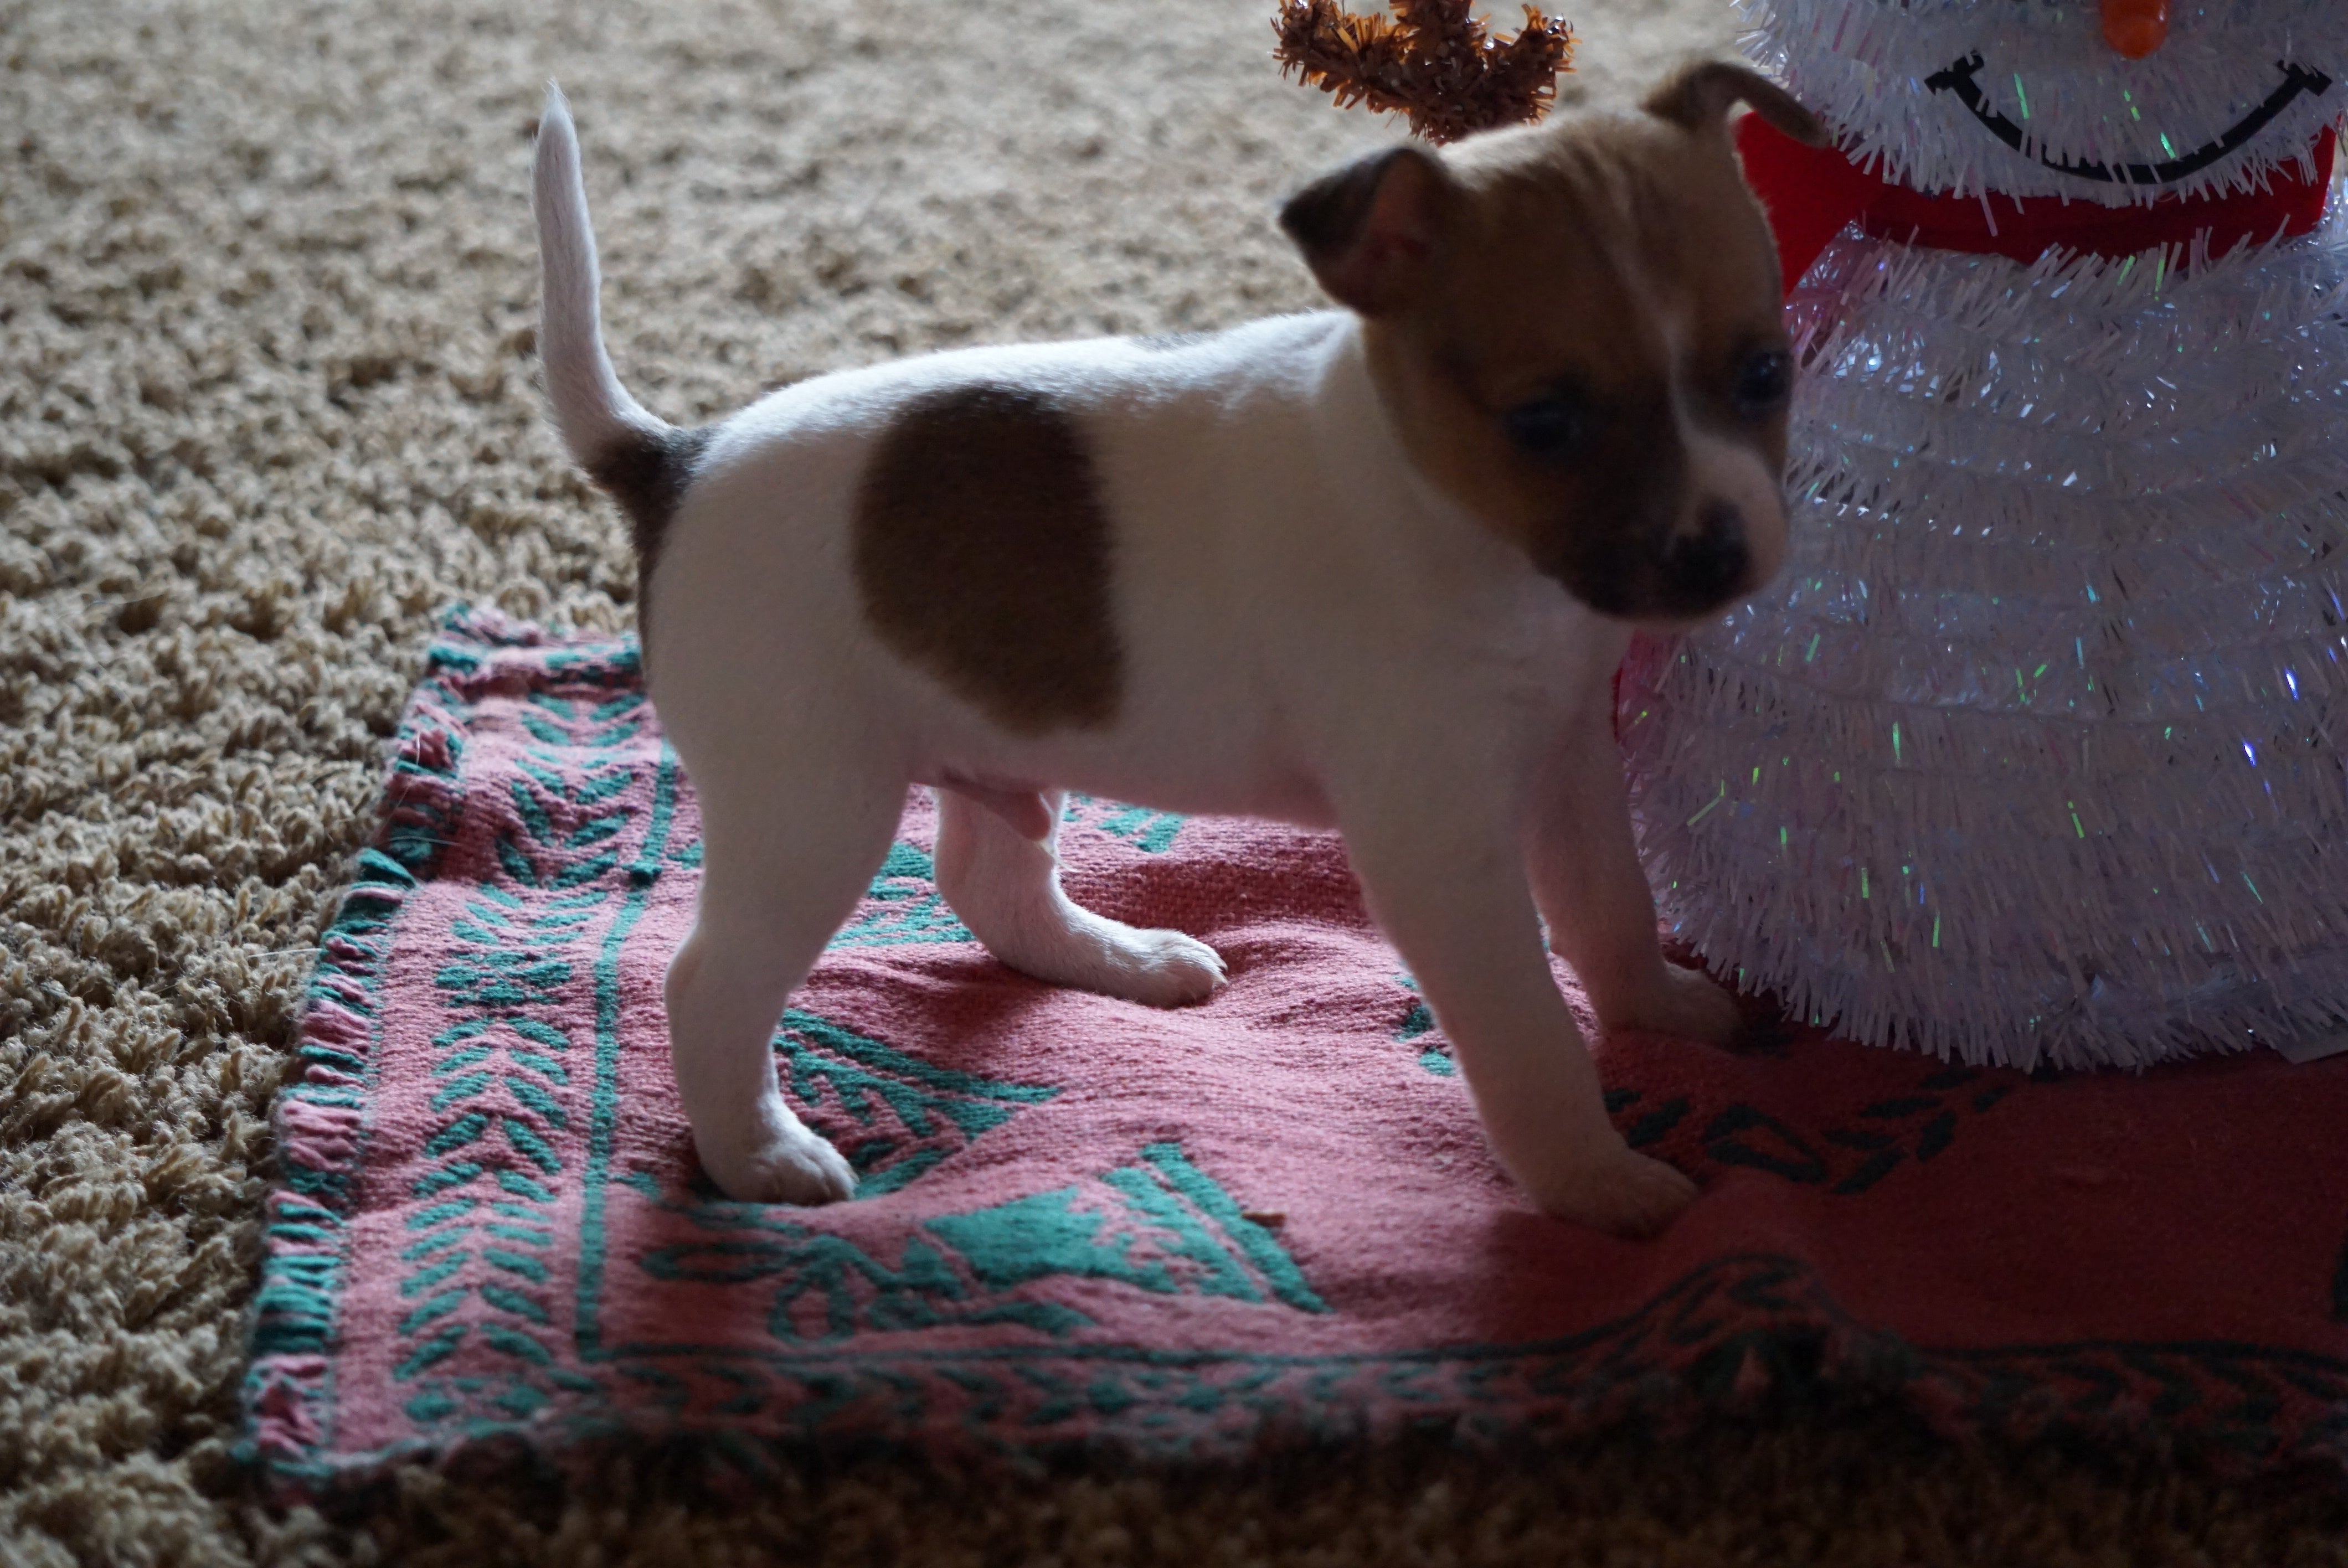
x=1601, y=911
x=1446, y=885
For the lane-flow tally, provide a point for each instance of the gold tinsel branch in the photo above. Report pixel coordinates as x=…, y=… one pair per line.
x=1431, y=60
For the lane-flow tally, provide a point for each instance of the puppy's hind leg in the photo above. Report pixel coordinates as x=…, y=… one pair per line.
x=776, y=885
x=1006, y=886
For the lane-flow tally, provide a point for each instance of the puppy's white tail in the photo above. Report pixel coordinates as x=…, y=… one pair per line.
x=643, y=461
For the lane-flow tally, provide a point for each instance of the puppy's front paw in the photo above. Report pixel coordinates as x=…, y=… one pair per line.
x=1620, y=1191
x=1687, y=1004
x=792, y=1166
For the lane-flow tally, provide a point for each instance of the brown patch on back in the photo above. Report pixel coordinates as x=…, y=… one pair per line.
x=648, y=473
x=982, y=552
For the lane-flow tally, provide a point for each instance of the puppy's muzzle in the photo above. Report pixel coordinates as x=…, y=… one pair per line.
x=1709, y=556
x=1710, y=563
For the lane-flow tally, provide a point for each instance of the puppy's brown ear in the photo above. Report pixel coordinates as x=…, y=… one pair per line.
x=1698, y=96
x=1372, y=230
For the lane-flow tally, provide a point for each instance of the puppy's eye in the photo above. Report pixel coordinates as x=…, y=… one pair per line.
x=1551, y=427
x=1764, y=378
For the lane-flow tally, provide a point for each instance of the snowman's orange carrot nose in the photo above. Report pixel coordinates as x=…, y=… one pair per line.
x=2135, y=28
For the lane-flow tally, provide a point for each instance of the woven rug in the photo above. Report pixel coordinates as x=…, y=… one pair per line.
x=1086, y=1224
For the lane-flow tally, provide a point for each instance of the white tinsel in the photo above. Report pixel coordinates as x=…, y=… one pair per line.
x=2034, y=751
x=2046, y=68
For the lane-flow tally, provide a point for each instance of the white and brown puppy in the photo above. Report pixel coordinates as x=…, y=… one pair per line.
x=1370, y=568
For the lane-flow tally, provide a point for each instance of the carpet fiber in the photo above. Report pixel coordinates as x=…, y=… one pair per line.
x=267, y=410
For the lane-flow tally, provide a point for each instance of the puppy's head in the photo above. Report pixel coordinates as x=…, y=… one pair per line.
x=1575, y=327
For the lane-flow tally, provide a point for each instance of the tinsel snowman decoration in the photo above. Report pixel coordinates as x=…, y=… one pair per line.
x=2034, y=753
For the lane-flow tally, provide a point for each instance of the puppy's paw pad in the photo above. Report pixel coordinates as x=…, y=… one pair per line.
x=801, y=1169
x=1628, y=1195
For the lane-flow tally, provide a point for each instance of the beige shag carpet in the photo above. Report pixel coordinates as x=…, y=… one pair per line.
x=267, y=405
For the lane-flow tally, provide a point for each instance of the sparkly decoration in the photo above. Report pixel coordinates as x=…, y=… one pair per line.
x=1434, y=61
x=2035, y=752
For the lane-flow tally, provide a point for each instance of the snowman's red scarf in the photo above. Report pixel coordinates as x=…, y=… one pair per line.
x=1813, y=193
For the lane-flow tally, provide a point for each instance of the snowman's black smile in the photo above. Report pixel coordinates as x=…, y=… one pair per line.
x=2296, y=79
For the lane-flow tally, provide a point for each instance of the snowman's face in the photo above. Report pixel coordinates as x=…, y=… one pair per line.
x=2028, y=98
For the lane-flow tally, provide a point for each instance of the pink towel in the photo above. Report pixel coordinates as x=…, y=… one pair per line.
x=1084, y=1222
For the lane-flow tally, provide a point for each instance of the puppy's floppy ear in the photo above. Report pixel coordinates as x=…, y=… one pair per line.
x=1697, y=95
x=1372, y=231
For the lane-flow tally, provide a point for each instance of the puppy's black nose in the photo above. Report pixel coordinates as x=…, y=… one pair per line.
x=1707, y=564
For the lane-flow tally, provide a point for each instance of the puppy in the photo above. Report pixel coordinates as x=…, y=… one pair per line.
x=1370, y=568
